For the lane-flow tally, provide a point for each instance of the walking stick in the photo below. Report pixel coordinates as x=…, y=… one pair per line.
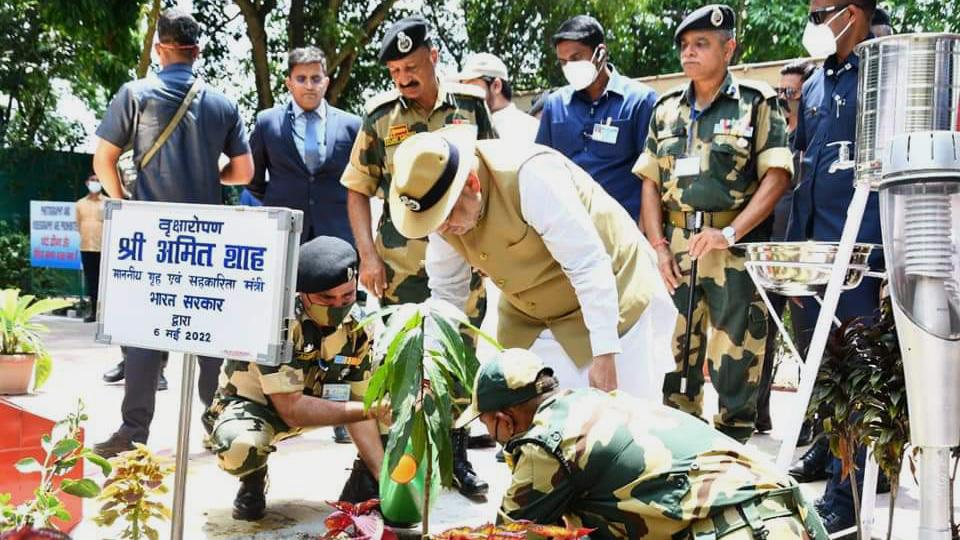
x=691, y=302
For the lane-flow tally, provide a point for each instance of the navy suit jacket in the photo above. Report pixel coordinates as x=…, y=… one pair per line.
x=320, y=195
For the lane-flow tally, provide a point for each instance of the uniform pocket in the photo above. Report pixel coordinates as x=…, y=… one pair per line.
x=729, y=153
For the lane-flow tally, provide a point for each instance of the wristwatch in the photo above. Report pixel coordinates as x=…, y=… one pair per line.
x=730, y=234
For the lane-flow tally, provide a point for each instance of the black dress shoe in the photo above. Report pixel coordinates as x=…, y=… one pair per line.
x=342, y=436
x=115, y=374
x=812, y=465
x=464, y=477
x=763, y=424
x=162, y=383
x=361, y=486
x=116, y=444
x=250, y=504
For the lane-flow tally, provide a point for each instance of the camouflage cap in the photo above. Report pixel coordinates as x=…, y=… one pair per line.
x=510, y=378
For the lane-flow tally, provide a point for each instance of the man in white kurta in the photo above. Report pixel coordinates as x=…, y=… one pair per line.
x=578, y=280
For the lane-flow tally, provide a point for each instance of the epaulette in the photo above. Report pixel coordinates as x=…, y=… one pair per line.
x=381, y=99
x=764, y=88
x=676, y=90
x=471, y=90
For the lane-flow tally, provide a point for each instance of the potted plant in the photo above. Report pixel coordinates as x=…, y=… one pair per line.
x=420, y=357
x=134, y=493
x=23, y=358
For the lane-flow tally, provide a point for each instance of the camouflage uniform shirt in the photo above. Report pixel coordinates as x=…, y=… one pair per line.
x=389, y=119
x=738, y=138
x=628, y=468
x=318, y=359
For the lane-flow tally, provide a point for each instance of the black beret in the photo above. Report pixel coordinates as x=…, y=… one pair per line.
x=403, y=37
x=709, y=17
x=582, y=28
x=325, y=262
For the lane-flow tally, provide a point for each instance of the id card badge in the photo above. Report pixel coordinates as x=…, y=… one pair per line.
x=605, y=133
x=687, y=166
x=336, y=392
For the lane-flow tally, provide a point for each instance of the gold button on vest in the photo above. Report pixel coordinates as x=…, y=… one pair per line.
x=539, y=295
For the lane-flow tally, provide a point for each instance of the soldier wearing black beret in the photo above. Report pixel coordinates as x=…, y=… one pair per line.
x=729, y=163
x=391, y=266
x=322, y=385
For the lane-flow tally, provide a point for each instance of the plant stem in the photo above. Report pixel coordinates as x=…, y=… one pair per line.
x=856, y=495
x=893, y=506
x=426, y=491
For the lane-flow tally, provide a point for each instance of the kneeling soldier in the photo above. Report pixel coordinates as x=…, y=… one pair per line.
x=625, y=467
x=256, y=406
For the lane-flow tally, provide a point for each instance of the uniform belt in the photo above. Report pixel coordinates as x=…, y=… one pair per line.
x=751, y=514
x=717, y=220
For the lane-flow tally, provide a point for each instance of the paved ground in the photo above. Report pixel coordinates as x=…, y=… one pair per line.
x=305, y=471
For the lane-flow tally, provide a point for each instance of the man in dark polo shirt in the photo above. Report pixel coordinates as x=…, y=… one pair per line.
x=184, y=170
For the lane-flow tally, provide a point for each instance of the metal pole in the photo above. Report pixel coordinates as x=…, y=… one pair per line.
x=691, y=303
x=183, y=445
x=828, y=309
x=935, y=510
x=868, y=499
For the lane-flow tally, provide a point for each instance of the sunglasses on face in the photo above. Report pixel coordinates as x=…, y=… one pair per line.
x=789, y=93
x=821, y=15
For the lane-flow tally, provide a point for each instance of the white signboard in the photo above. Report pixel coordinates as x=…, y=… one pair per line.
x=199, y=279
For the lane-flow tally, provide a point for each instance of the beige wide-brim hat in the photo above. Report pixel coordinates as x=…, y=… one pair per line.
x=429, y=172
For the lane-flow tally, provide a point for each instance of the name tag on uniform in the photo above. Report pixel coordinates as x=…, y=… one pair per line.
x=336, y=392
x=688, y=166
x=342, y=360
x=605, y=133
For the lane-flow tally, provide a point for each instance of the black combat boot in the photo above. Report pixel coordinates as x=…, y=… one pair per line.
x=466, y=480
x=812, y=465
x=251, y=500
x=361, y=485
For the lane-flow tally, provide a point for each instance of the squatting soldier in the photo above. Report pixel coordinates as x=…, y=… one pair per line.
x=392, y=268
x=579, y=282
x=717, y=147
x=256, y=406
x=627, y=468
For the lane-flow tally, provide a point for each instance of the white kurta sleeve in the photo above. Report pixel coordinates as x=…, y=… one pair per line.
x=448, y=273
x=550, y=204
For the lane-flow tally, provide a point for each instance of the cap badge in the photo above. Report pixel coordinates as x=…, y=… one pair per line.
x=411, y=203
x=351, y=271
x=716, y=18
x=404, y=43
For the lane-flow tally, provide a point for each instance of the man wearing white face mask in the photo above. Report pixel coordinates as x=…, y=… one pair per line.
x=600, y=119
x=828, y=121
x=89, y=213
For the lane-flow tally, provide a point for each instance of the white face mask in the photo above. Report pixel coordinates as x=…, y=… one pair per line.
x=94, y=187
x=581, y=73
x=819, y=40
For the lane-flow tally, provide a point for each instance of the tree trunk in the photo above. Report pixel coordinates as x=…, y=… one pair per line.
x=370, y=25
x=295, y=23
x=339, y=82
x=255, y=19
x=152, y=17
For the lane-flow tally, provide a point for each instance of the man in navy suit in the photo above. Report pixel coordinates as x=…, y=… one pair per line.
x=301, y=148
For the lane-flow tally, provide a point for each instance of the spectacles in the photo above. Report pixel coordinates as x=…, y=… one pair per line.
x=789, y=93
x=819, y=16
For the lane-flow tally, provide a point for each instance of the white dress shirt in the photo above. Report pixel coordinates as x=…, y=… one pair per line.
x=513, y=124
x=549, y=203
x=300, y=128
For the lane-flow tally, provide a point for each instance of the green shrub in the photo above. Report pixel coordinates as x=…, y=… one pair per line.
x=15, y=269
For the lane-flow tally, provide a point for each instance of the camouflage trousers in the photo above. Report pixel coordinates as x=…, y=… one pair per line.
x=783, y=515
x=244, y=434
x=729, y=333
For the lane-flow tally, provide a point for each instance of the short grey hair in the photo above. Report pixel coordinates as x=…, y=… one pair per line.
x=306, y=55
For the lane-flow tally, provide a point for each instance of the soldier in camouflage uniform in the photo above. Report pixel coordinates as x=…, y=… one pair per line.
x=257, y=406
x=718, y=147
x=392, y=267
x=627, y=468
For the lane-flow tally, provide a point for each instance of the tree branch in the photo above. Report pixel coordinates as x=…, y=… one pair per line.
x=254, y=18
x=152, y=17
x=370, y=25
x=339, y=82
x=295, y=24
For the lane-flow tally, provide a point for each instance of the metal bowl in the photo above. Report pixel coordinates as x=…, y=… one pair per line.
x=800, y=268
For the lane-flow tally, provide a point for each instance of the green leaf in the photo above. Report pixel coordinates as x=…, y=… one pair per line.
x=377, y=386
x=65, y=446
x=400, y=432
x=418, y=436
x=81, y=488
x=93, y=458
x=29, y=465
x=62, y=513
x=42, y=369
